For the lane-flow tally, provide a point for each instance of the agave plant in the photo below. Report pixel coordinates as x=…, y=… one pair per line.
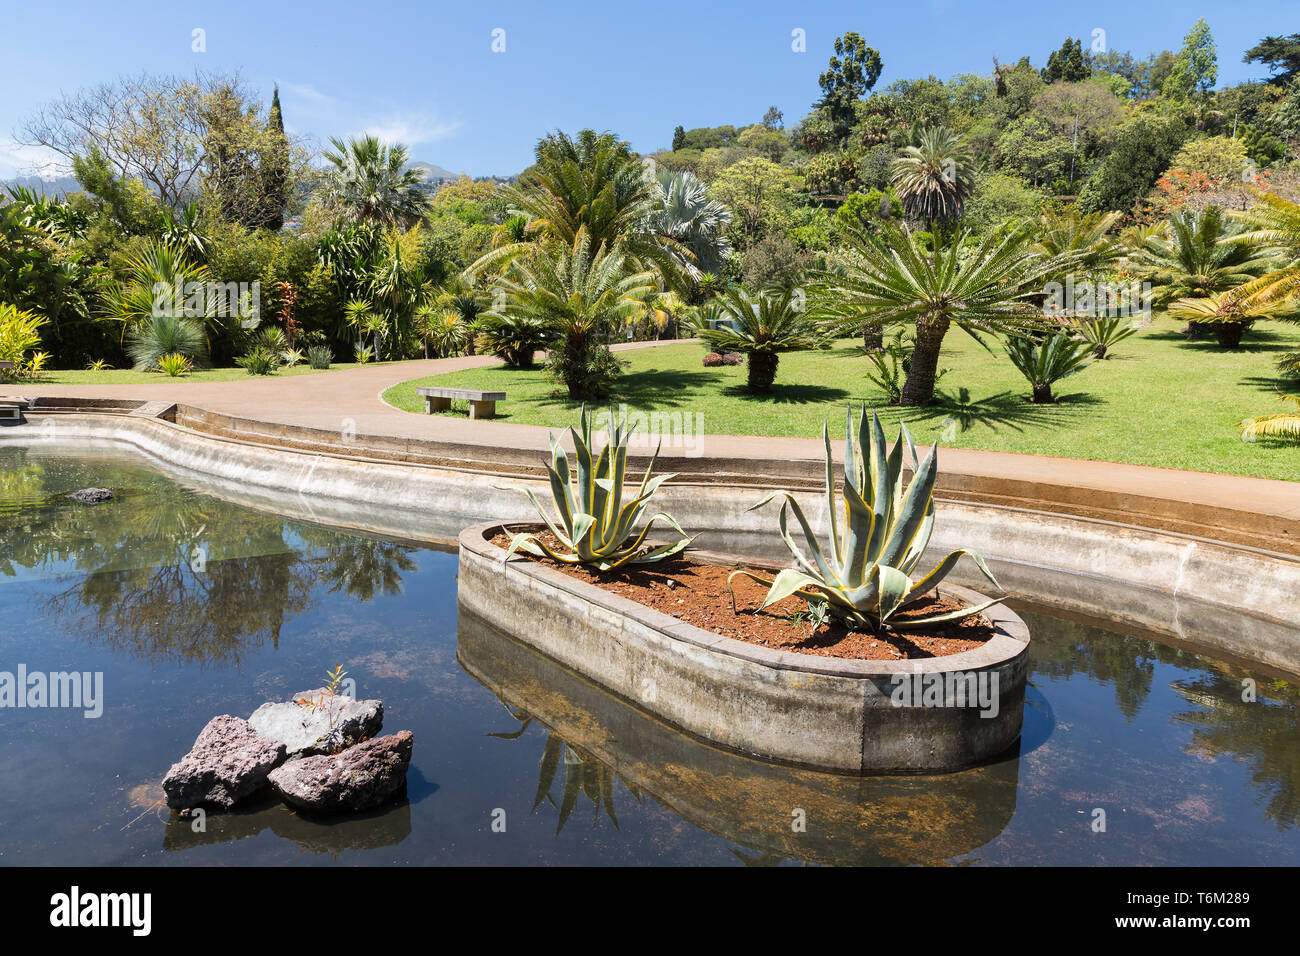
x=878, y=534
x=595, y=525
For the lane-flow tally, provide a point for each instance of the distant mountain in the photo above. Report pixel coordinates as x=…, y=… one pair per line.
x=58, y=186
x=432, y=173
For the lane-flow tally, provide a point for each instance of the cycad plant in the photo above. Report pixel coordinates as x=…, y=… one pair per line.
x=515, y=338
x=1228, y=316
x=877, y=536
x=1044, y=363
x=593, y=524
x=762, y=327
x=1104, y=332
x=1279, y=425
x=889, y=278
x=1198, y=254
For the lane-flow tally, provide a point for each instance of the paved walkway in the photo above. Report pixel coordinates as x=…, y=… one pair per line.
x=326, y=400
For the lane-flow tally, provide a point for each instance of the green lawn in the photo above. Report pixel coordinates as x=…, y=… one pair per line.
x=1160, y=400
x=126, y=376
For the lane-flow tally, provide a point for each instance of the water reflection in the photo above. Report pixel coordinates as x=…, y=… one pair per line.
x=167, y=574
x=596, y=739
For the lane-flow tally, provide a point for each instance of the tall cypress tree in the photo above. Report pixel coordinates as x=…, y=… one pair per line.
x=275, y=166
x=679, y=138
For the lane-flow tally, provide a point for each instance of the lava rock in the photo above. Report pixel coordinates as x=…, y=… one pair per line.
x=91, y=496
x=228, y=762
x=306, y=730
x=361, y=777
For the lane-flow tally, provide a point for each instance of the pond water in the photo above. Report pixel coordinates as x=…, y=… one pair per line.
x=191, y=606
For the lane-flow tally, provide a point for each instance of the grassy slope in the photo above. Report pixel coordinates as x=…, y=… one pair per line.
x=126, y=376
x=1160, y=400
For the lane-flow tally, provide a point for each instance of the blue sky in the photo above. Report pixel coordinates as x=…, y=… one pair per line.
x=424, y=73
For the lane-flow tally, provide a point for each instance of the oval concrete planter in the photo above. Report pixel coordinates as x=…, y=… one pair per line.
x=920, y=716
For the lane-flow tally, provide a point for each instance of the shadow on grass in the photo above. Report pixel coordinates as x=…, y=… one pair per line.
x=1004, y=410
x=659, y=386
x=1275, y=384
x=1255, y=340
x=789, y=394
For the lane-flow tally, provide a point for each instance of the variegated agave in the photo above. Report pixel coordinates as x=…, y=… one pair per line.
x=878, y=535
x=594, y=523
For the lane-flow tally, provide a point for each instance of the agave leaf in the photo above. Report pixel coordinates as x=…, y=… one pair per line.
x=788, y=582
x=894, y=585
x=549, y=764
x=913, y=623
x=941, y=570
x=916, y=503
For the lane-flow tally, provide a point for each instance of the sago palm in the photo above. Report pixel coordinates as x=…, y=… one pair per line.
x=762, y=327
x=580, y=291
x=887, y=278
x=1279, y=425
x=1198, y=254
x=1227, y=316
x=1085, y=234
x=593, y=184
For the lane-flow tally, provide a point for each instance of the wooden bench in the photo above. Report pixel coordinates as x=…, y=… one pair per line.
x=481, y=404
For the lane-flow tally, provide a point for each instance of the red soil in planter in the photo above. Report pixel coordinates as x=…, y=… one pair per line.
x=697, y=594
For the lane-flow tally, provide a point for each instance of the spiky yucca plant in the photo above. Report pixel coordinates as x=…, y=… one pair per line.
x=594, y=524
x=878, y=534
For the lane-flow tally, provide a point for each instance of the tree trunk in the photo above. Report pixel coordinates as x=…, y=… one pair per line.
x=873, y=338
x=762, y=370
x=921, y=376
x=1229, y=333
x=576, y=360
x=1042, y=394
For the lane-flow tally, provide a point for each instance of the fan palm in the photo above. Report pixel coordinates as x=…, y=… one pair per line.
x=368, y=182
x=593, y=185
x=887, y=278
x=688, y=215
x=933, y=177
x=762, y=327
x=580, y=291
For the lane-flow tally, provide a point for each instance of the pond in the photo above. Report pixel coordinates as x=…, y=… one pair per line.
x=192, y=606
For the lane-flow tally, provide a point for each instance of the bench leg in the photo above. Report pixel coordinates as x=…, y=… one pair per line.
x=434, y=404
x=482, y=409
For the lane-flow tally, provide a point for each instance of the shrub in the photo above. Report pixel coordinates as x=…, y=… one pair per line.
x=319, y=356
x=174, y=364
x=19, y=334
x=166, y=334
x=259, y=361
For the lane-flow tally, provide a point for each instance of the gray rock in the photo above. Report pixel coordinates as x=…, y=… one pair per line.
x=229, y=761
x=305, y=730
x=91, y=496
x=367, y=775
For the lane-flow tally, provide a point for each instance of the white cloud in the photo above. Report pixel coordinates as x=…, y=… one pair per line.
x=409, y=130
x=19, y=159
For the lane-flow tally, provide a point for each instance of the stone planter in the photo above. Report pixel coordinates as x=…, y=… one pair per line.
x=917, y=716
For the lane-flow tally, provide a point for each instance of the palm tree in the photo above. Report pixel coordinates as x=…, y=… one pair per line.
x=1228, y=316
x=592, y=185
x=688, y=215
x=933, y=177
x=462, y=297
x=369, y=183
x=1199, y=254
x=763, y=326
x=1278, y=425
x=1275, y=221
x=887, y=278
x=1085, y=235
x=580, y=291
x=1045, y=363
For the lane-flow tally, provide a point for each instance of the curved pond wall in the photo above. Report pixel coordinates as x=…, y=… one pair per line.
x=1228, y=600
